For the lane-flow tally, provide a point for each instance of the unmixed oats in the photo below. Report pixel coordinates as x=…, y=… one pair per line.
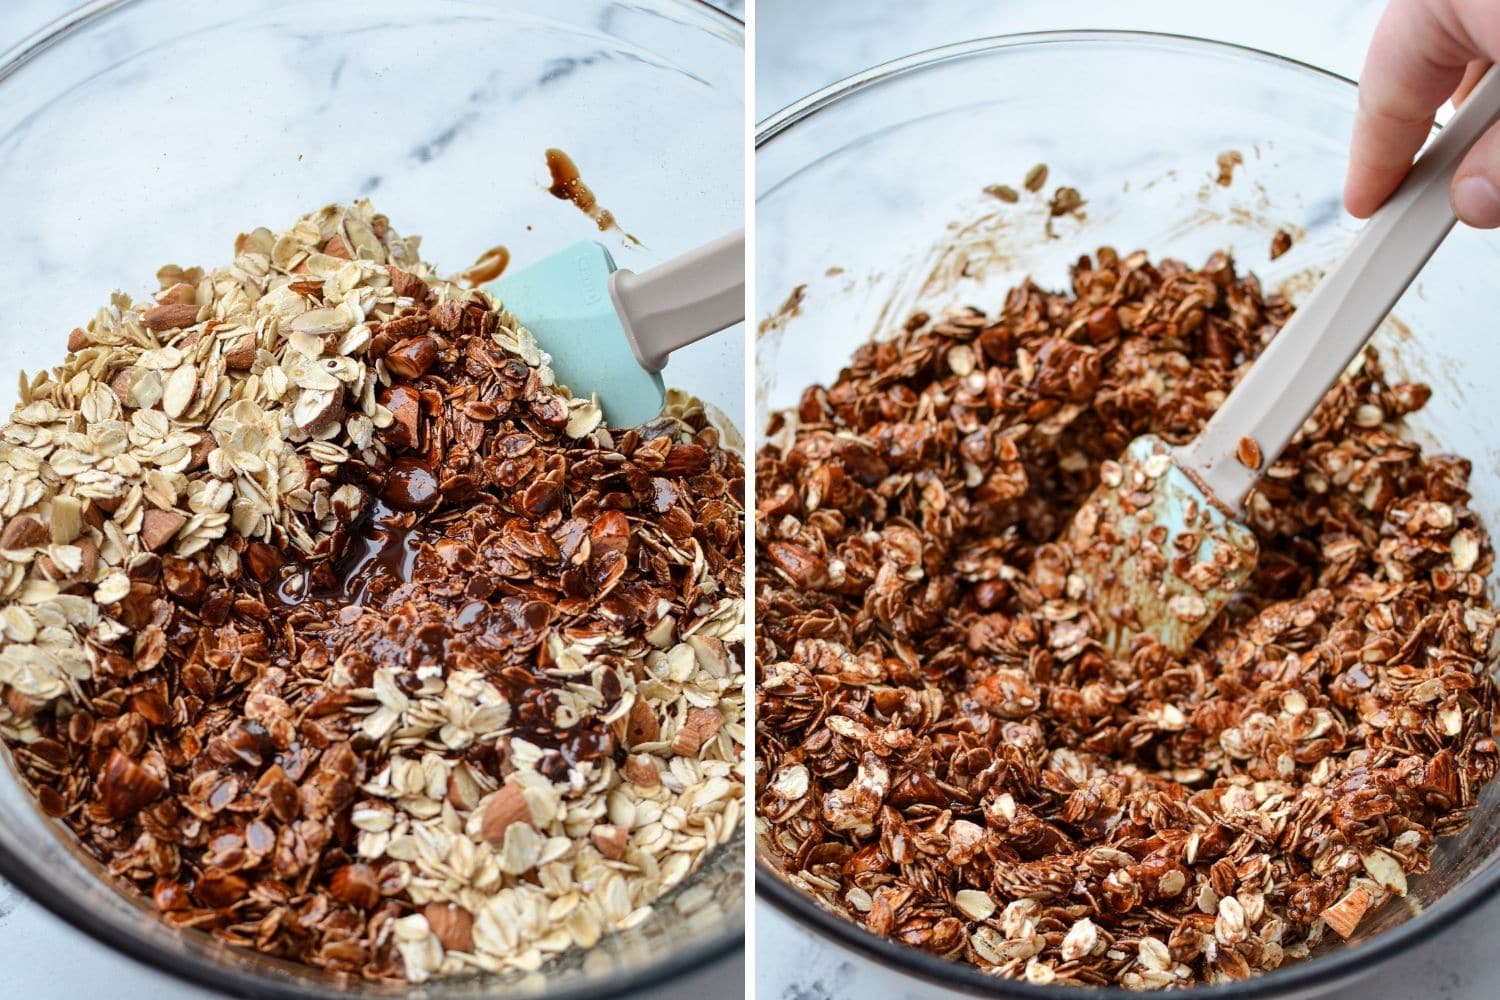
x=947, y=753
x=337, y=630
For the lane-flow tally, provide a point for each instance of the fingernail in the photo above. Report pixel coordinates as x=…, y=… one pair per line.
x=1477, y=202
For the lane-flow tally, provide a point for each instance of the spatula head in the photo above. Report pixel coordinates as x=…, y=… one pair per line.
x=564, y=300
x=1159, y=556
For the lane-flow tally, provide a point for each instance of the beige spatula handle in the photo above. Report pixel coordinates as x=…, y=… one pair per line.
x=1325, y=333
x=683, y=300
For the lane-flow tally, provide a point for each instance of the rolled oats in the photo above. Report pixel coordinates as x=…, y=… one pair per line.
x=337, y=629
x=950, y=756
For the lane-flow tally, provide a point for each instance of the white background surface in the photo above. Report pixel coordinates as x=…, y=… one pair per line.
x=802, y=46
x=44, y=958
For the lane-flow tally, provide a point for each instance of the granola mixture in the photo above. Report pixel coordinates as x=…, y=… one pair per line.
x=336, y=629
x=947, y=753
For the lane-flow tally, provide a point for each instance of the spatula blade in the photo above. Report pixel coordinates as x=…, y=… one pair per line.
x=564, y=299
x=1158, y=555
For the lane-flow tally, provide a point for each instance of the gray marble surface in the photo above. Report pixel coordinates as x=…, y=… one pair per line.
x=801, y=47
x=45, y=958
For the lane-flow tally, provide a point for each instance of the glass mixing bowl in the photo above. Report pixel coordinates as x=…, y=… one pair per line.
x=869, y=195
x=138, y=132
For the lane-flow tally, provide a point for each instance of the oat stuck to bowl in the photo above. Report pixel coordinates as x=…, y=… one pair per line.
x=335, y=629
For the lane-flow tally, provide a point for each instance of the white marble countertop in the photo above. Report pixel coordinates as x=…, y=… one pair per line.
x=801, y=47
x=46, y=959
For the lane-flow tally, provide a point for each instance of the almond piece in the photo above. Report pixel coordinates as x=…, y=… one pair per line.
x=90, y=564
x=240, y=355
x=1346, y=914
x=356, y=885
x=24, y=532
x=179, y=294
x=315, y=409
x=453, y=925
x=77, y=340
x=407, y=285
x=642, y=725
x=640, y=771
x=610, y=840
x=411, y=358
x=121, y=385
x=171, y=316
x=21, y=706
x=506, y=807
x=446, y=315
x=177, y=395
x=159, y=526
x=336, y=247
x=199, y=457
x=406, y=408
x=67, y=519
x=125, y=787
x=463, y=790
x=702, y=725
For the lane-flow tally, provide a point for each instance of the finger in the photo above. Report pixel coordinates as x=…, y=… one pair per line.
x=1476, y=185
x=1470, y=81
x=1412, y=66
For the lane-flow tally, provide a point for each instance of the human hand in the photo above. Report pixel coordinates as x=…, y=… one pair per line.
x=1424, y=52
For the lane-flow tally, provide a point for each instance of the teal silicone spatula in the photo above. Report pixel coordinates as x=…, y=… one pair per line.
x=609, y=331
x=1160, y=545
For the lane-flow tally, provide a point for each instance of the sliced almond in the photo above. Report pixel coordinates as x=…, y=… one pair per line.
x=77, y=340
x=178, y=392
x=1346, y=914
x=1387, y=870
x=974, y=904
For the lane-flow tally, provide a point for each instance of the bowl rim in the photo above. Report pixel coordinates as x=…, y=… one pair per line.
x=1296, y=978
x=196, y=967
x=780, y=121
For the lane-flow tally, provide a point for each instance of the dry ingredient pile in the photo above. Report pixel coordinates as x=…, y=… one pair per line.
x=948, y=756
x=336, y=629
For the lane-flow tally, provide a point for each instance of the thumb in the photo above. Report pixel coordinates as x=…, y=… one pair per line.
x=1475, y=193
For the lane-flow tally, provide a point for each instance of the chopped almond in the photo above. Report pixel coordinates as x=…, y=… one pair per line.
x=506, y=807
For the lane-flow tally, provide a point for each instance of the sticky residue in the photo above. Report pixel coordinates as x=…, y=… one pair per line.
x=489, y=266
x=792, y=306
x=1228, y=160
x=568, y=185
